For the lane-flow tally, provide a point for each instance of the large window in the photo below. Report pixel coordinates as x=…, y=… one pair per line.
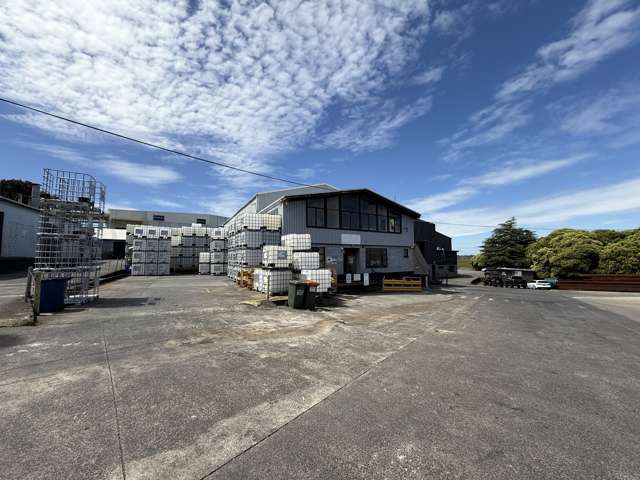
x=201, y=221
x=376, y=257
x=352, y=212
x=158, y=218
x=315, y=212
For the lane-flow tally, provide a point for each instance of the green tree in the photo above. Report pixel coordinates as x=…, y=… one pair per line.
x=622, y=256
x=478, y=262
x=565, y=253
x=507, y=246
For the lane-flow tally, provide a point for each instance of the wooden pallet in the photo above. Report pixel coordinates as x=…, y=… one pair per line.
x=406, y=284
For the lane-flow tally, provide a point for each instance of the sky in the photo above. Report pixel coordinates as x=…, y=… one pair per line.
x=469, y=112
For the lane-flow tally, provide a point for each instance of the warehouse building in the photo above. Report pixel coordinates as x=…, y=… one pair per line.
x=120, y=218
x=436, y=249
x=18, y=227
x=355, y=231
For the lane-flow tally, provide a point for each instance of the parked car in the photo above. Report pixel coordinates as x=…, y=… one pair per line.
x=539, y=285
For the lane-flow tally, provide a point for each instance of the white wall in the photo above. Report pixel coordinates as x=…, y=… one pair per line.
x=18, y=230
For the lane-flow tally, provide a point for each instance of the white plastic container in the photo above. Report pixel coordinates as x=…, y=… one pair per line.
x=164, y=232
x=163, y=269
x=140, y=231
x=218, y=257
x=163, y=257
x=164, y=245
x=271, y=222
x=306, y=260
x=204, y=269
x=137, y=269
x=205, y=257
x=150, y=269
x=187, y=231
x=322, y=276
x=152, y=232
x=218, y=269
x=276, y=256
x=297, y=241
x=270, y=281
x=217, y=233
x=217, y=245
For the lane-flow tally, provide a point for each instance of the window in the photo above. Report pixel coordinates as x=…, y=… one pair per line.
x=321, y=254
x=333, y=212
x=405, y=253
x=158, y=218
x=383, y=220
x=201, y=221
x=315, y=212
x=368, y=219
x=395, y=222
x=376, y=257
x=350, y=212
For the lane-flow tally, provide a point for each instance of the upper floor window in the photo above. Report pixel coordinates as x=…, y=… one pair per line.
x=158, y=218
x=352, y=212
x=201, y=221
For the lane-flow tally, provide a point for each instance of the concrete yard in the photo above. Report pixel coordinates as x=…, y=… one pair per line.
x=174, y=378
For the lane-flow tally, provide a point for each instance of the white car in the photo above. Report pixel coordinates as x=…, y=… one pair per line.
x=539, y=284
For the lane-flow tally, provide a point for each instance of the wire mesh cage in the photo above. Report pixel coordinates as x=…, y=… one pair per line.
x=69, y=240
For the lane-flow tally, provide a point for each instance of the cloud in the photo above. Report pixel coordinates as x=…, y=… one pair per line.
x=240, y=81
x=469, y=187
x=163, y=202
x=604, y=200
x=225, y=203
x=614, y=114
x=129, y=172
x=429, y=76
x=55, y=127
x=365, y=130
x=600, y=29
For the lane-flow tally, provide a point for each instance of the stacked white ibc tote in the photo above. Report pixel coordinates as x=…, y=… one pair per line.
x=275, y=274
x=307, y=263
x=246, y=235
x=186, y=245
x=204, y=264
x=150, y=249
x=218, y=250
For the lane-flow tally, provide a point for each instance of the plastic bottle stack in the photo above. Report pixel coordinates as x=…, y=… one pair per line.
x=187, y=243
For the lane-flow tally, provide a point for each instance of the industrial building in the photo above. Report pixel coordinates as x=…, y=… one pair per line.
x=120, y=218
x=436, y=249
x=18, y=227
x=355, y=231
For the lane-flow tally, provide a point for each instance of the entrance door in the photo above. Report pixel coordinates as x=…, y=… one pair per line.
x=351, y=260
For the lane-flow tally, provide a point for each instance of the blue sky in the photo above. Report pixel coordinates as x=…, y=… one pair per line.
x=467, y=111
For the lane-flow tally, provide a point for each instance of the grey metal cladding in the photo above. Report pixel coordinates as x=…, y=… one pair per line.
x=294, y=220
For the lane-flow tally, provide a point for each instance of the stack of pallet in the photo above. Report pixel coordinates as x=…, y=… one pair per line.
x=306, y=264
x=218, y=252
x=246, y=235
x=149, y=250
x=187, y=243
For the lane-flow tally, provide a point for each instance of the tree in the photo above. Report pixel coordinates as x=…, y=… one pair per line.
x=507, y=246
x=18, y=190
x=565, y=253
x=622, y=256
x=478, y=262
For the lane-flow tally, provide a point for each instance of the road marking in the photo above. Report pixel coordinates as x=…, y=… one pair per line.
x=11, y=296
x=476, y=298
x=491, y=299
x=604, y=297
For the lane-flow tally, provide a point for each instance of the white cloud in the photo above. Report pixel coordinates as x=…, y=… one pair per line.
x=430, y=76
x=517, y=172
x=367, y=130
x=469, y=187
x=163, y=202
x=604, y=200
x=129, y=172
x=235, y=80
x=601, y=28
x=225, y=203
x=56, y=127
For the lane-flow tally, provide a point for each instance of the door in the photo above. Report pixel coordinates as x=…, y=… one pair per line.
x=351, y=260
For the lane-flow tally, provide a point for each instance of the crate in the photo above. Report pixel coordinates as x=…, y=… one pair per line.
x=163, y=257
x=204, y=269
x=218, y=257
x=137, y=269
x=271, y=281
x=276, y=256
x=153, y=232
x=321, y=276
x=297, y=241
x=204, y=257
x=187, y=231
x=217, y=245
x=217, y=233
x=163, y=269
x=176, y=240
x=164, y=245
x=164, y=232
x=306, y=260
x=218, y=269
x=139, y=231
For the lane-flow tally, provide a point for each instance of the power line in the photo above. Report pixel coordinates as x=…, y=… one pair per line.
x=488, y=226
x=159, y=147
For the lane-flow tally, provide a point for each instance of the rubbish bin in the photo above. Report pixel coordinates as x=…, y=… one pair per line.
x=297, y=293
x=310, y=297
x=52, y=294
